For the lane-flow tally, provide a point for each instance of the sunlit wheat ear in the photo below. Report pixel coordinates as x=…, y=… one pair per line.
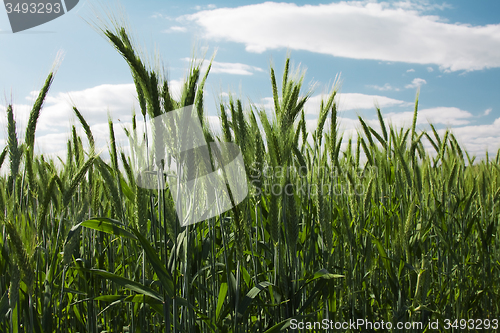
x=35, y=111
x=4, y=153
x=87, y=130
x=12, y=143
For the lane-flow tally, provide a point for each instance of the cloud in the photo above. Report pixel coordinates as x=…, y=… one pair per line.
x=229, y=67
x=160, y=16
x=93, y=103
x=215, y=124
x=411, y=70
x=430, y=69
x=54, y=144
x=420, y=5
x=487, y=111
x=356, y=29
x=355, y=101
x=479, y=138
x=345, y=102
x=175, y=29
x=347, y=126
x=385, y=87
x=416, y=83
x=476, y=139
x=210, y=6
x=450, y=116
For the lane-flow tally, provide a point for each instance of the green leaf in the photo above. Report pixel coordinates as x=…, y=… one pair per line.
x=108, y=225
x=250, y=296
x=286, y=323
x=324, y=274
x=127, y=190
x=220, y=299
x=138, y=298
x=321, y=274
x=129, y=284
x=320, y=285
x=160, y=270
x=109, y=298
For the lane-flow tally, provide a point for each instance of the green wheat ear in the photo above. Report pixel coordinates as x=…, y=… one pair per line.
x=35, y=111
x=4, y=153
x=15, y=281
x=43, y=209
x=12, y=143
x=75, y=181
x=87, y=130
x=273, y=221
x=20, y=252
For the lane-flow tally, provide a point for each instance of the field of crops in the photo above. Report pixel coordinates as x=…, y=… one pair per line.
x=380, y=230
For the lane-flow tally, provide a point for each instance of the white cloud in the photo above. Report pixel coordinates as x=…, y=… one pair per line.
x=450, y=116
x=351, y=101
x=347, y=126
x=356, y=29
x=385, y=87
x=345, y=102
x=430, y=69
x=160, y=16
x=54, y=144
x=416, y=83
x=52, y=129
x=215, y=124
x=476, y=139
x=420, y=5
x=480, y=138
x=355, y=101
x=93, y=103
x=411, y=70
x=229, y=67
x=175, y=29
x=209, y=6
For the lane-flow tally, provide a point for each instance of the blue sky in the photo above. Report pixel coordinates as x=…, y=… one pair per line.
x=383, y=50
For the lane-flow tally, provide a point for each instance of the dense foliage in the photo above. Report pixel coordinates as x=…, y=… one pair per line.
x=379, y=228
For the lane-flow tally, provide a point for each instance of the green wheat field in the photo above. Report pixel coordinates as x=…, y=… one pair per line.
x=371, y=227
